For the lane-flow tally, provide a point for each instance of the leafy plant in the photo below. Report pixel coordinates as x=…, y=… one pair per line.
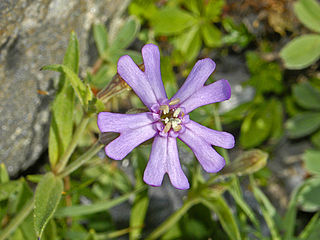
x=304, y=50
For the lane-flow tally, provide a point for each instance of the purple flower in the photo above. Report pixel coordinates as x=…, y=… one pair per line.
x=167, y=119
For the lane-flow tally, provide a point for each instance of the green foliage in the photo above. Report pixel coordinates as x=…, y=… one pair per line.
x=312, y=161
x=307, y=96
x=309, y=199
x=301, y=52
x=61, y=127
x=308, y=13
x=47, y=198
x=185, y=30
x=110, y=48
x=303, y=124
x=265, y=76
x=304, y=50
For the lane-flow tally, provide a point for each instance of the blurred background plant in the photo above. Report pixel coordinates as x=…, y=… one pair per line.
x=79, y=191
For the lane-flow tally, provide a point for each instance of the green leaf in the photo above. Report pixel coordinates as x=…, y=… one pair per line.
x=312, y=226
x=226, y=217
x=307, y=96
x=303, y=124
x=61, y=127
x=4, y=176
x=213, y=9
x=308, y=13
x=47, y=198
x=171, y=20
x=78, y=210
x=77, y=84
x=315, y=139
x=194, y=48
x=290, y=216
x=301, y=52
x=309, y=198
x=100, y=35
x=194, y=6
x=312, y=161
x=6, y=189
x=211, y=35
x=184, y=41
x=138, y=214
x=126, y=35
x=256, y=126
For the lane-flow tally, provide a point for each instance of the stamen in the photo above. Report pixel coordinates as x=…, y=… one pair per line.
x=174, y=101
x=176, y=112
x=177, y=128
x=164, y=109
x=166, y=120
x=167, y=127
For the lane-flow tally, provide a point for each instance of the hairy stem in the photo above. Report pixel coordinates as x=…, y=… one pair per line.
x=82, y=159
x=73, y=144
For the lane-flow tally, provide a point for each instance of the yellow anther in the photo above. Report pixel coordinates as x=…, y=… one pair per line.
x=176, y=112
x=164, y=108
x=174, y=101
x=177, y=128
x=167, y=127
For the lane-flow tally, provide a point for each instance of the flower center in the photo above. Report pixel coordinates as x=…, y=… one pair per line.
x=171, y=117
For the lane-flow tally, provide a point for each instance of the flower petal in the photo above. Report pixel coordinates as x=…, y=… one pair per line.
x=196, y=79
x=164, y=158
x=118, y=122
x=137, y=80
x=156, y=167
x=213, y=137
x=216, y=92
x=128, y=140
x=176, y=175
x=209, y=159
x=151, y=60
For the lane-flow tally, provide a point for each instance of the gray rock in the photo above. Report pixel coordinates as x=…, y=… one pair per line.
x=34, y=34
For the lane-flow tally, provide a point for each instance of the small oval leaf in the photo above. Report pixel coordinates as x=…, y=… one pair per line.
x=301, y=52
x=308, y=12
x=303, y=124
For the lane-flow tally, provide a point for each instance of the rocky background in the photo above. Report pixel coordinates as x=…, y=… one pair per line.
x=34, y=33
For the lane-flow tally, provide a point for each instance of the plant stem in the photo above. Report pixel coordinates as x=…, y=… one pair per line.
x=73, y=144
x=82, y=159
x=175, y=217
x=17, y=220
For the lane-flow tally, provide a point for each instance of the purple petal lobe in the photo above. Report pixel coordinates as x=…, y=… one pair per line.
x=118, y=122
x=176, y=175
x=209, y=159
x=213, y=137
x=137, y=80
x=216, y=92
x=156, y=167
x=196, y=79
x=151, y=60
x=164, y=159
x=128, y=140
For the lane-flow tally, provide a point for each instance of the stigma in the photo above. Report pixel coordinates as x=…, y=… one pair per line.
x=171, y=117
